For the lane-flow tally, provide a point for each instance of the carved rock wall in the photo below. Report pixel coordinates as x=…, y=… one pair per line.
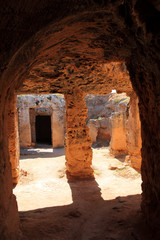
x=134, y=141
x=98, y=107
x=70, y=43
x=100, y=130
x=13, y=139
x=58, y=129
x=78, y=150
x=93, y=126
x=118, y=144
x=24, y=127
x=30, y=106
x=100, y=110
x=9, y=219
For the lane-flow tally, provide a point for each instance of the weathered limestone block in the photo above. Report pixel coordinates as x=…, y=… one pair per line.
x=78, y=143
x=9, y=218
x=13, y=138
x=93, y=126
x=104, y=132
x=104, y=105
x=99, y=129
x=57, y=123
x=118, y=140
x=32, y=122
x=134, y=141
x=24, y=127
x=31, y=106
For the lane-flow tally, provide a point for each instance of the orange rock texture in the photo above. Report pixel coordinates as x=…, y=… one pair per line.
x=13, y=138
x=78, y=143
x=134, y=141
x=93, y=46
x=118, y=144
x=100, y=110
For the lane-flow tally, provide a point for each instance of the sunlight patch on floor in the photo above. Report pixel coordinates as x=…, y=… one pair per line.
x=44, y=193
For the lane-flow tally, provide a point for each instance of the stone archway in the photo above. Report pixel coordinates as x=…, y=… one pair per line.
x=72, y=71
x=68, y=55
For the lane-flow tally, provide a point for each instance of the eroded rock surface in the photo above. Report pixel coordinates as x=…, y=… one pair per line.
x=118, y=143
x=78, y=150
x=30, y=106
x=134, y=141
x=100, y=113
x=92, y=45
x=13, y=138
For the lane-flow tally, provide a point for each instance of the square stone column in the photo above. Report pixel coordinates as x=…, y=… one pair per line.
x=13, y=138
x=134, y=141
x=24, y=127
x=57, y=126
x=78, y=143
x=118, y=135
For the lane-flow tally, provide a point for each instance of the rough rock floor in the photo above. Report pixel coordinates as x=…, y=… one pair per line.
x=51, y=207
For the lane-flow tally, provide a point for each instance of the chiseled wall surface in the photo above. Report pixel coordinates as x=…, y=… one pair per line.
x=58, y=128
x=101, y=109
x=31, y=105
x=118, y=143
x=107, y=120
x=13, y=139
x=134, y=140
x=70, y=43
x=24, y=127
x=78, y=150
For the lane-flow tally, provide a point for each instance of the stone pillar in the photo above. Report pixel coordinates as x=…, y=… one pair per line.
x=145, y=77
x=57, y=126
x=93, y=126
x=32, y=115
x=78, y=143
x=13, y=138
x=24, y=127
x=9, y=219
x=118, y=134
x=134, y=141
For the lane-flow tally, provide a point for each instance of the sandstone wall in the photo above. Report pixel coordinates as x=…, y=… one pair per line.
x=118, y=143
x=104, y=105
x=9, y=219
x=70, y=44
x=32, y=114
x=93, y=126
x=78, y=150
x=30, y=106
x=58, y=129
x=99, y=107
x=100, y=130
x=134, y=141
x=100, y=110
x=13, y=139
x=24, y=127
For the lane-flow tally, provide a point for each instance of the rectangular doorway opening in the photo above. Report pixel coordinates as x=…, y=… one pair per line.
x=43, y=129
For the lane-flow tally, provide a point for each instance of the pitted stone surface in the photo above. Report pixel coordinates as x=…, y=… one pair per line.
x=29, y=106
x=94, y=33
x=78, y=150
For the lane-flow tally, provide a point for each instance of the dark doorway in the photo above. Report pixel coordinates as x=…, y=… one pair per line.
x=43, y=129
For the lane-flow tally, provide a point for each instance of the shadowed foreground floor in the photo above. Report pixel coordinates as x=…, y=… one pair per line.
x=105, y=208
